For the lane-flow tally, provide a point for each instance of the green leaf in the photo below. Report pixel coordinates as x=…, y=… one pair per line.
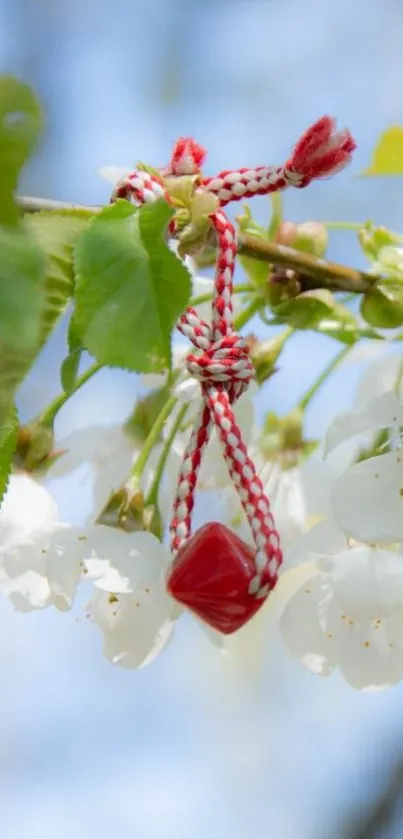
x=130, y=287
x=387, y=158
x=307, y=310
x=70, y=365
x=20, y=126
x=57, y=234
x=69, y=370
x=21, y=274
x=8, y=442
x=382, y=306
x=256, y=270
x=342, y=325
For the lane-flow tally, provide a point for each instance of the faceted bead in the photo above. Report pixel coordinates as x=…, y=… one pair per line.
x=211, y=574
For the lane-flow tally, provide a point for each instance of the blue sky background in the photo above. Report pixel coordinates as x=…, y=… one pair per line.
x=195, y=746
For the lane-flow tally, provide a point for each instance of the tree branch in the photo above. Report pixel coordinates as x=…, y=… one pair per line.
x=317, y=273
x=35, y=205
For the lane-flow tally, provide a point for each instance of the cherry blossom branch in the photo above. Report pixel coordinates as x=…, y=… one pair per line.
x=317, y=273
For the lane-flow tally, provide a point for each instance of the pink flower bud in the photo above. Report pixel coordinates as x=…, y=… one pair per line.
x=286, y=234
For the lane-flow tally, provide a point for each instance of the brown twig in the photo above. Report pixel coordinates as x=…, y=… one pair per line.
x=322, y=274
x=318, y=273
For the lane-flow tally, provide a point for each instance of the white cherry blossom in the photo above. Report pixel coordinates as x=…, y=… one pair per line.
x=40, y=557
x=130, y=604
x=107, y=452
x=348, y=612
x=368, y=499
x=379, y=376
x=27, y=509
x=385, y=411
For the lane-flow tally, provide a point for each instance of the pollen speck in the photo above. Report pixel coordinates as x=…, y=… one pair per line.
x=113, y=599
x=307, y=591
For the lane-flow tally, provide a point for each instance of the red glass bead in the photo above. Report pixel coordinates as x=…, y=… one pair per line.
x=211, y=574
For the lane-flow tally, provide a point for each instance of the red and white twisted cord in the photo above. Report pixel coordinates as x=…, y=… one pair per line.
x=222, y=364
x=224, y=370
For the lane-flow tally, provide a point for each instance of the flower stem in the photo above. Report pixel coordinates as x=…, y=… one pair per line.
x=152, y=497
x=47, y=417
x=309, y=395
x=151, y=441
x=248, y=312
x=356, y=225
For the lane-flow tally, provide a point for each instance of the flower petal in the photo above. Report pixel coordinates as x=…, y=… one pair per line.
x=64, y=566
x=383, y=412
x=28, y=591
x=132, y=560
x=300, y=629
x=136, y=627
x=113, y=174
x=379, y=377
x=324, y=539
x=26, y=511
x=368, y=499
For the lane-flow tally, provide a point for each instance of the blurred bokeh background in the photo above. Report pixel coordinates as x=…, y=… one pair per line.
x=249, y=746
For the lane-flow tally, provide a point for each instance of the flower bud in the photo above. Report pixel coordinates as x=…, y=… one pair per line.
x=374, y=240
x=283, y=285
x=390, y=261
x=286, y=234
x=311, y=237
x=308, y=237
x=264, y=355
x=283, y=439
x=35, y=448
x=126, y=510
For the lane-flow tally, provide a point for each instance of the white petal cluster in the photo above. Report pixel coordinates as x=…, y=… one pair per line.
x=348, y=611
x=43, y=561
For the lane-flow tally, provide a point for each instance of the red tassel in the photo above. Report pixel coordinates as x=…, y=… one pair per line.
x=186, y=159
x=321, y=151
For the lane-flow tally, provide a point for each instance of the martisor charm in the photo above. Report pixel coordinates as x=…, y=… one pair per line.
x=211, y=574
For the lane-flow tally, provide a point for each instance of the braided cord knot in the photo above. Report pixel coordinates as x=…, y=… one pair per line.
x=226, y=363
